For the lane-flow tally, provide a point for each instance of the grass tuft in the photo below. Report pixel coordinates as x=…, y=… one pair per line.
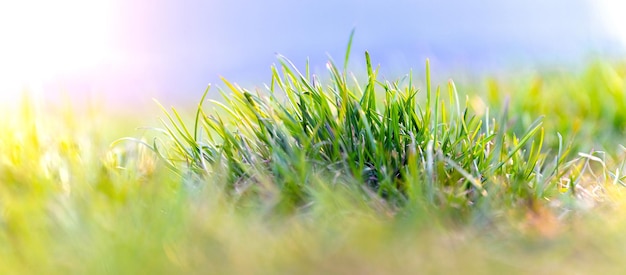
x=398, y=145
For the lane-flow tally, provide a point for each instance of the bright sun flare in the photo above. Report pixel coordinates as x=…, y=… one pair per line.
x=613, y=12
x=43, y=39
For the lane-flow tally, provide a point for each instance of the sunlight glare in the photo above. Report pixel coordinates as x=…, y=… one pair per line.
x=44, y=39
x=613, y=13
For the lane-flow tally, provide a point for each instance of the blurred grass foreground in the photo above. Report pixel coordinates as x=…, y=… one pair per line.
x=326, y=174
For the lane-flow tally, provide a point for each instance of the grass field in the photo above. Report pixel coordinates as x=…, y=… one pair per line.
x=326, y=174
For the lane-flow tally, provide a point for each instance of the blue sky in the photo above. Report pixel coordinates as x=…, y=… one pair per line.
x=138, y=49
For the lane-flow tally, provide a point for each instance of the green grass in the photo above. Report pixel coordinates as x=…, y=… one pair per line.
x=326, y=174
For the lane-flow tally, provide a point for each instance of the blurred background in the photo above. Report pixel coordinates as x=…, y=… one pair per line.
x=125, y=52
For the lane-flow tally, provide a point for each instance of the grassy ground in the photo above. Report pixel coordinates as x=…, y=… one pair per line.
x=324, y=174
